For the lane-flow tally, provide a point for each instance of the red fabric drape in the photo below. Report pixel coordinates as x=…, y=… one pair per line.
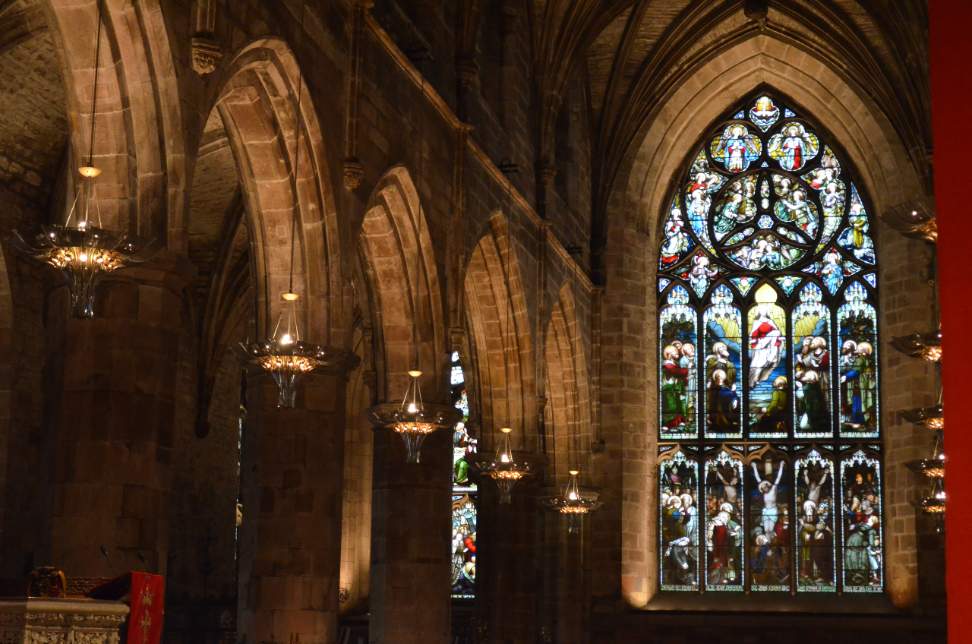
x=951, y=85
x=147, y=604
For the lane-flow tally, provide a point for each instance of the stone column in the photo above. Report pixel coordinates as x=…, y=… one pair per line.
x=410, y=553
x=113, y=415
x=290, y=551
x=509, y=561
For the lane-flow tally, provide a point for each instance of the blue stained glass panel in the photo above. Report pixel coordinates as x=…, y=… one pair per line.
x=723, y=366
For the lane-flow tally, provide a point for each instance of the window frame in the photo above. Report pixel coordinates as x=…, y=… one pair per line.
x=841, y=447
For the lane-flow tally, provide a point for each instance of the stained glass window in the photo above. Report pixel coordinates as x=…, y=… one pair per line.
x=464, y=491
x=769, y=462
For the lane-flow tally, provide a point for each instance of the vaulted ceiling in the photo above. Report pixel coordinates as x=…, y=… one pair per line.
x=635, y=53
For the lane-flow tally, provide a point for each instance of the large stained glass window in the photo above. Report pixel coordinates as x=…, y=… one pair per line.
x=464, y=492
x=769, y=462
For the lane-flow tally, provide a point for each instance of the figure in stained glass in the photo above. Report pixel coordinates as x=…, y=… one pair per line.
x=463, y=490
x=855, y=238
x=736, y=206
x=793, y=146
x=736, y=148
x=463, y=546
x=814, y=478
x=699, y=273
x=770, y=525
x=863, y=554
x=678, y=508
x=724, y=527
x=795, y=209
x=857, y=329
x=768, y=384
x=677, y=364
x=677, y=240
x=811, y=364
x=827, y=172
x=723, y=364
x=765, y=252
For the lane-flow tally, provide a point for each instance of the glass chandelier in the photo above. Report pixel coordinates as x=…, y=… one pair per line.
x=81, y=248
x=574, y=502
x=284, y=355
x=927, y=346
x=414, y=419
x=503, y=468
x=929, y=417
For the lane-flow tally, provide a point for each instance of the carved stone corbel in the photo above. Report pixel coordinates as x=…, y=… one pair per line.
x=206, y=50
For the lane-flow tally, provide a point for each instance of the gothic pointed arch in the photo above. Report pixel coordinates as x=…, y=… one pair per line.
x=138, y=141
x=403, y=284
x=497, y=315
x=768, y=371
x=568, y=410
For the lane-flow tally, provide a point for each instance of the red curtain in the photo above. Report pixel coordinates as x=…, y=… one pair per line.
x=951, y=86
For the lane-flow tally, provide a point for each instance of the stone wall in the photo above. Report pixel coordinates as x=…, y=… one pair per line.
x=445, y=97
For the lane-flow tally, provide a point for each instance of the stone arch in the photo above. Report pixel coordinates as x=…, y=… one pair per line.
x=864, y=136
x=499, y=326
x=708, y=90
x=139, y=143
x=256, y=105
x=403, y=279
x=568, y=409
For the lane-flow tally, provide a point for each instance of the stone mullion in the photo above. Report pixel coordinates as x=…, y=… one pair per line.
x=291, y=532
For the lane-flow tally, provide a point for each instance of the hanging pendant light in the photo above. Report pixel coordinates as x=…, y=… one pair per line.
x=414, y=419
x=927, y=346
x=574, y=502
x=928, y=417
x=503, y=468
x=284, y=355
x=81, y=248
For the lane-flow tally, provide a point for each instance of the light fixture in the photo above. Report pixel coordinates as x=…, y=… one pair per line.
x=934, y=503
x=929, y=417
x=927, y=346
x=503, y=468
x=82, y=249
x=284, y=355
x=917, y=222
x=414, y=419
x=574, y=502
